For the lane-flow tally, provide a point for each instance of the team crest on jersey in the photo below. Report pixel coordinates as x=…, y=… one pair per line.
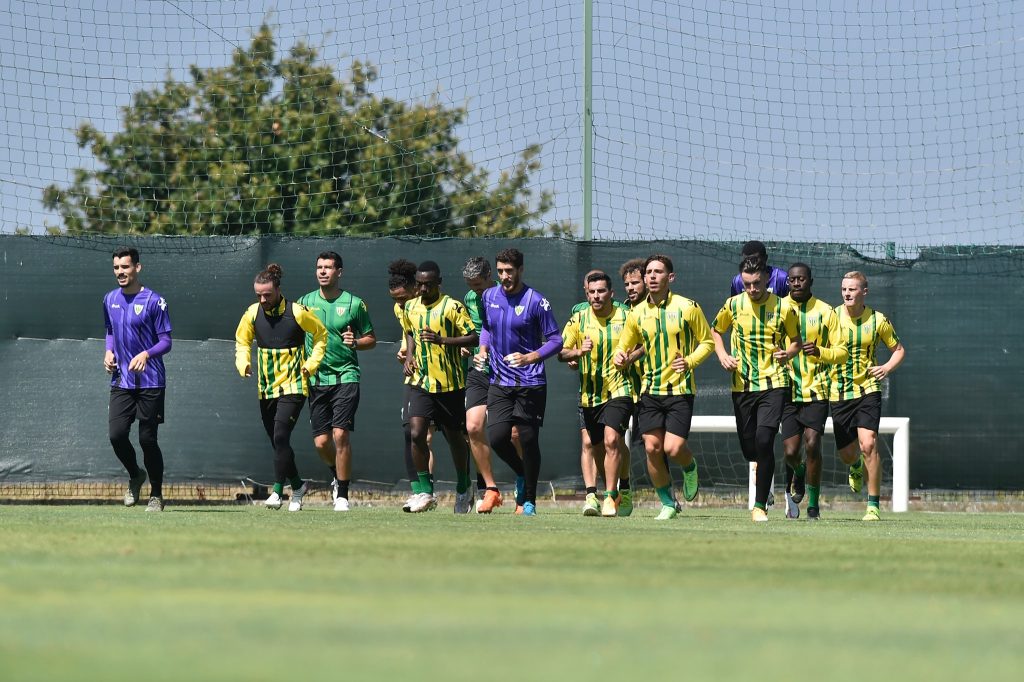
x=672, y=315
x=616, y=329
x=770, y=317
x=519, y=309
x=139, y=308
x=339, y=310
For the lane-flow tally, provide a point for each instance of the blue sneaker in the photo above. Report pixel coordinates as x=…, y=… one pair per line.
x=520, y=488
x=529, y=509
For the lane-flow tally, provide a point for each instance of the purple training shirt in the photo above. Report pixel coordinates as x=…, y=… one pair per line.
x=520, y=323
x=777, y=283
x=136, y=323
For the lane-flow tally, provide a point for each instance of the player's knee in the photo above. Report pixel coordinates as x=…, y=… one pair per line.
x=119, y=433
x=320, y=441
x=341, y=438
x=499, y=435
x=813, y=441
x=765, y=440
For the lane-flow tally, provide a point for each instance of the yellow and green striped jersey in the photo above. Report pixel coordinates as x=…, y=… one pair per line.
x=676, y=326
x=600, y=380
x=819, y=325
x=850, y=379
x=280, y=347
x=758, y=330
x=439, y=368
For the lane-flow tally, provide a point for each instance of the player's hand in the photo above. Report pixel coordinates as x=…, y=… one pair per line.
x=109, y=362
x=728, y=362
x=409, y=367
x=679, y=364
x=573, y=364
x=781, y=355
x=480, y=361
x=465, y=352
x=620, y=359
x=587, y=345
x=305, y=372
x=348, y=337
x=811, y=348
x=878, y=371
x=400, y=355
x=248, y=371
x=138, y=363
x=428, y=336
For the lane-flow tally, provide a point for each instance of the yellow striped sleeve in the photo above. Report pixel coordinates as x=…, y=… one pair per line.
x=702, y=335
x=887, y=333
x=244, y=335
x=836, y=351
x=312, y=325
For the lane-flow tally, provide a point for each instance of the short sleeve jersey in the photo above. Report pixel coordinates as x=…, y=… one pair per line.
x=517, y=323
x=810, y=375
x=135, y=321
x=600, y=380
x=439, y=368
x=758, y=330
x=340, y=364
x=862, y=333
x=676, y=326
x=475, y=307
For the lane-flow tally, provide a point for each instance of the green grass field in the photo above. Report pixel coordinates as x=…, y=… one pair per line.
x=237, y=592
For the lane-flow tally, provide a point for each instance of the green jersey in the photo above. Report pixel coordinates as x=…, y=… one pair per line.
x=475, y=307
x=340, y=365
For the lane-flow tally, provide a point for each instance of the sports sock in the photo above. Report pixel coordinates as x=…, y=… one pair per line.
x=665, y=495
x=279, y=488
x=343, y=489
x=591, y=489
x=296, y=482
x=623, y=484
x=761, y=505
x=873, y=501
x=462, y=481
x=426, y=482
x=614, y=494
x=800, y=470
x=414, y=484
x=812, y=495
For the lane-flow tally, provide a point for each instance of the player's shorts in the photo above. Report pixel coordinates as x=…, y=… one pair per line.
x=333, y=407
x=805, y=415
x=477, y=386
x=284, y=409
x=849, y=415
x=447, y=410
x=614, y=413
x=129, y=404
x=754, y=409
x=517, y=404
x=670, y=412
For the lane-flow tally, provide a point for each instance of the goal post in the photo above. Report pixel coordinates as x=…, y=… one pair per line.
x=899, y=427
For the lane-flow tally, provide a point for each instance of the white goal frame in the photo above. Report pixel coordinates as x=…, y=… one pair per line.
x=898, y=426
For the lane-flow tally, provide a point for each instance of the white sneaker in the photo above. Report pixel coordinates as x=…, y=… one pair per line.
x=297, y=495
x=463, y=501
x=341, y=504
x=422, y=502
x=792, y=508
x=406, y=506
x=273, y=502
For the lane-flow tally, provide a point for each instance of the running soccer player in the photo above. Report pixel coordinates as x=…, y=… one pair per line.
x=856, y=398
x=138, y=336
x=804, y=414
x=334, y=389
x=760, y=323
x=777, y=283
x=279, y=328
x=519, y=334
x=676, y=339
x=606, y=401
x=436, y=326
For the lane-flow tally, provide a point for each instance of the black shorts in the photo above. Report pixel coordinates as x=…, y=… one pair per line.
x=670, y=412
x=129, y=404
x=807, y=415
x=516, y=404
x=284, y=409
x=754, y=409
x=447, y=410
x=849, y=415
x=614, y=413
x=477, y=385
x=333, y=407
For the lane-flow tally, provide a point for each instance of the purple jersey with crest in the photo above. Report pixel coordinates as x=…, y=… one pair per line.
x=777, y=283
x=134, y=321
x=518, y=323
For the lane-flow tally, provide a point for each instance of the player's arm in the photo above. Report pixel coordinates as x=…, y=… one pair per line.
x=836, y=352
x=312, y=325
x=359, y=334
x=245, y=333
x=893, y=343
x=628, y=343
x=723, y=322
x=109, y=361
x=571, y=346
x=791, y=328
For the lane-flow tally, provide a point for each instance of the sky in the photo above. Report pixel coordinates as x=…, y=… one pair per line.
x=857, y=122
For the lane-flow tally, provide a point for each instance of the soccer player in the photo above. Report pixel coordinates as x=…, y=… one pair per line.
x=279, y=328
x=436, y=327
x=855, y=395
x=606, y=401
x=519, y=334
x=777, y=283
x=760, y=324
x=138, y=336
x=334, y=389
x=804, y=414
x=676, y=339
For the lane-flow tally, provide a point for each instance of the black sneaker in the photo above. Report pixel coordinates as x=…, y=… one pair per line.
x=813, y=514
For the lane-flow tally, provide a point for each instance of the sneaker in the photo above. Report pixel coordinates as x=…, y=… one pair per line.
x=519, y=510
x=690, y=483
x=529, y=509
x=297, y=495
x=422, y=502
x=758, y=515
x=872, y=515
x=625, y=502
x=609, y=508
x=463, y=501
x=520, y=488
x=273, y=502
x=156, y=504
x=492, y=500
x=813, y=514
x=131, y=496
x=856, y=477
x=406, y=506
x=341, y=504
x=799, y=487
x=792, y=508
x=771, y=500
x=667, y=513
x=678, y=507
x=591, y=507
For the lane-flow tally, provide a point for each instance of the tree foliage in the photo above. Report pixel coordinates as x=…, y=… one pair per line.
x=263, y=146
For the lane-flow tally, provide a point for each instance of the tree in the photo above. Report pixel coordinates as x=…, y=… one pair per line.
x=284, y=147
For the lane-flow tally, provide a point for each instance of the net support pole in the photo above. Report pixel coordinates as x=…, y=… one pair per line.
x=588, y=118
